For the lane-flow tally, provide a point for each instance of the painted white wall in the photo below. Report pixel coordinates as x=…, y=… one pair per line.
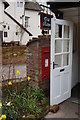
x=1, y=8
x=1, y=14
x=16, y=13
x=33, y=25
x=34, y=22
x=19, y=11
x=9, y=22
x=12, y=31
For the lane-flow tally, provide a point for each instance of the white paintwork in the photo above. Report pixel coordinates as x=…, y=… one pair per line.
x=1, y=8
x=63, y=0
x=34, y=22
x=17, y=12
x=12, y=31
x=60, y=82
x=1, y=14
x=33, y=25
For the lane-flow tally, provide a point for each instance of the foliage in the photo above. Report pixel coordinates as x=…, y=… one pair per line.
x=25, y=102
x=37, y=94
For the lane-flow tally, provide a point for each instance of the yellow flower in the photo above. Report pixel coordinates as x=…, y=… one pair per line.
x=10, y=83
x=18, y=73
x=29, y=78
x=0, y=118
x=0, y=105
x=13, y=106
x=9, y=103
x=3, y=117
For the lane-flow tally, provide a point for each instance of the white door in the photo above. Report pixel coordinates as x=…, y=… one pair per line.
x=61, y=60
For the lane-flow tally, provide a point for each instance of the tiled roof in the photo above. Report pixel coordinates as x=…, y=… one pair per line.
x=33, y=6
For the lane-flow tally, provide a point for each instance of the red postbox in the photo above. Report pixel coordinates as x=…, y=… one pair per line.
x=45, y=63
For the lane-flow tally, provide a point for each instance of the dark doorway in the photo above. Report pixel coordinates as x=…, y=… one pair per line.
x=76, y=91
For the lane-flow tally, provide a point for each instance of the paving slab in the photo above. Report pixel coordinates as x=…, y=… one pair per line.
x=67, y=109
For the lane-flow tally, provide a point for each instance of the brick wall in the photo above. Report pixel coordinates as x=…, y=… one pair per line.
x=34, y=61
x=0, y=60
x=0, y=71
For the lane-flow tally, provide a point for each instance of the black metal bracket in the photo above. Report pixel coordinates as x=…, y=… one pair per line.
x=54, y=65
x=58, y=14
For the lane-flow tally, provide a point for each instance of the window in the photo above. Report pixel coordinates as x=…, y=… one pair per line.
x=16, y=33
x=26, y=21
x=5, y=34
x=58, y=30
x=19, y=4
x=62, y=45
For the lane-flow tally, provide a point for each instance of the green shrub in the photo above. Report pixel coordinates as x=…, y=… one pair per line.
x=37, y=93
x=26, y=102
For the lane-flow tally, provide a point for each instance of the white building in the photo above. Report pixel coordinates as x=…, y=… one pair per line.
x=14, y=22
x=3, y=5
x=32, y=18
x=1, y=11
x=21, y=21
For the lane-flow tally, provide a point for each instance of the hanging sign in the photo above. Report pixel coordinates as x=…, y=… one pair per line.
x=45, y=21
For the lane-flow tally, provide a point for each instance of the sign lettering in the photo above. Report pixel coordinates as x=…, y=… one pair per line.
x=46, y=21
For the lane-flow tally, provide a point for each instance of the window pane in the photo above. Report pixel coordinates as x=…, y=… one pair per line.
x=58, y=31
x=58, y=60
x=17, y=4
x=66, y=60
x=26, y=21
x=66, y=46
x=58, y=46
x=21, y=4
x=5, y=34
x=66, y=31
